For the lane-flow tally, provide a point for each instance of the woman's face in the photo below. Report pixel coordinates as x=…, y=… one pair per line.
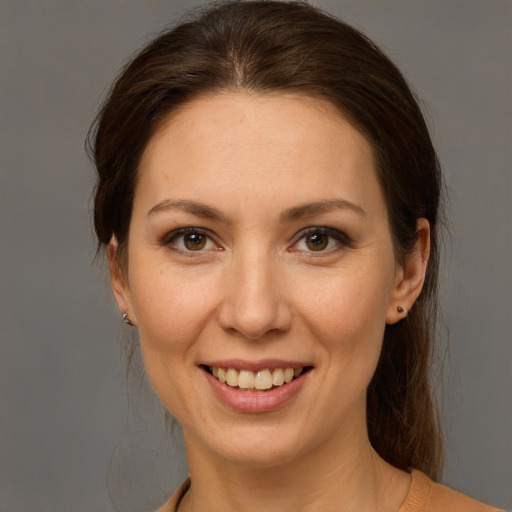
x=259, y=242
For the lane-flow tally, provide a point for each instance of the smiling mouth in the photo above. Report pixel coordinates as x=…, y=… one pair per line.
x=263, y=380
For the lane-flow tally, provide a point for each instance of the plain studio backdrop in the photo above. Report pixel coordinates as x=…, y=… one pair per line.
x=69, y=435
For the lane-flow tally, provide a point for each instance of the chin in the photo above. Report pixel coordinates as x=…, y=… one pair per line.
x=256, y=456
x=256, y=441
x=253, y=446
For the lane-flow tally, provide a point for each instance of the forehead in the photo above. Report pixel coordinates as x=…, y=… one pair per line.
x=263, y=118
x=280, y=145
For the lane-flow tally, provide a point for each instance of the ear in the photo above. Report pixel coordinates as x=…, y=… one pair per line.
x=119, y=280
x=411, y=276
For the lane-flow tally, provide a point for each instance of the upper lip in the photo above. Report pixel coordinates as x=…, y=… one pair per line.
x=255, y=366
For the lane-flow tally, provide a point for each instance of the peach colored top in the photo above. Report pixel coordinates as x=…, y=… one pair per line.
x=424, y=496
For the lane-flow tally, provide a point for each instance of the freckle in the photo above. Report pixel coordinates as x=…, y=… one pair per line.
x=161, y=272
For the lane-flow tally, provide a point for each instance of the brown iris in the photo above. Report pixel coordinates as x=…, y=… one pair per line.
x=194, y=241
x=317, y=241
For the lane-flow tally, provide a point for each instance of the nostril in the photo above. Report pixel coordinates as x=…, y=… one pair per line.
x=252, y=304
x=254, y=323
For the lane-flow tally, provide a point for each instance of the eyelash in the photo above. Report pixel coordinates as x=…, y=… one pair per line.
x=342, y=239
x=169, y=240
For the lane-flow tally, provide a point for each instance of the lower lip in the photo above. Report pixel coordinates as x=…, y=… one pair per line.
x=256, y=401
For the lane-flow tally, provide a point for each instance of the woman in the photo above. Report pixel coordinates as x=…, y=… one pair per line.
x=270, y=202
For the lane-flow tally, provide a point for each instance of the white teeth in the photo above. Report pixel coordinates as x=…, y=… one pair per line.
x=232, y=377
x=246, y=379
x=278, y=377
x=264, y=379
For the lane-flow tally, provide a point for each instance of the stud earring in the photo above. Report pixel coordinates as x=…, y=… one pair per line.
x=400, y=309
x=127, y=321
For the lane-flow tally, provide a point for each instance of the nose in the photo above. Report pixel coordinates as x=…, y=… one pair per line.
x=254, y=300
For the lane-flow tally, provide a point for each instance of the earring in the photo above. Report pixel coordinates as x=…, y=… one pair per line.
x=127, y=321
x=400, y=309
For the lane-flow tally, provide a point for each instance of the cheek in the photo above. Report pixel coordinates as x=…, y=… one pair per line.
x=346, y=312
x=171, y=314
x=172, y=308
x=347, y=303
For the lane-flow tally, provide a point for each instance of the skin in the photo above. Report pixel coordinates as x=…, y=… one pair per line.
x=257, y=290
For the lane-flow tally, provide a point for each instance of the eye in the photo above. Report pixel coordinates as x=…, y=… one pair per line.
x=321, y=239
x=190, y=240
x=317, y=241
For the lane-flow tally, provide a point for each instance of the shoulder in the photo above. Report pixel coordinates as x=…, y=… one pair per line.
x=172, y=504
x=427, y=496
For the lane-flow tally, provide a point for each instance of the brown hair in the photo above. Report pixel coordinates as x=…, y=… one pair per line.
x=293, y=47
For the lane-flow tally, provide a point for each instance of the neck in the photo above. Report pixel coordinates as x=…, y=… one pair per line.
x=350, y=475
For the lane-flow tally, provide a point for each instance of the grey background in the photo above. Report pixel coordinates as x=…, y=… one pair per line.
x=65, y=419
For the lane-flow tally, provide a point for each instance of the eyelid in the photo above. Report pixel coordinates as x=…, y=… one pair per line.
x=167, y=240
x=342, y=238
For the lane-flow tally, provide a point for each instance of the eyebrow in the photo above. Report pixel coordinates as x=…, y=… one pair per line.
x=297, y=212
x=318, y=207
x=187, y=206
